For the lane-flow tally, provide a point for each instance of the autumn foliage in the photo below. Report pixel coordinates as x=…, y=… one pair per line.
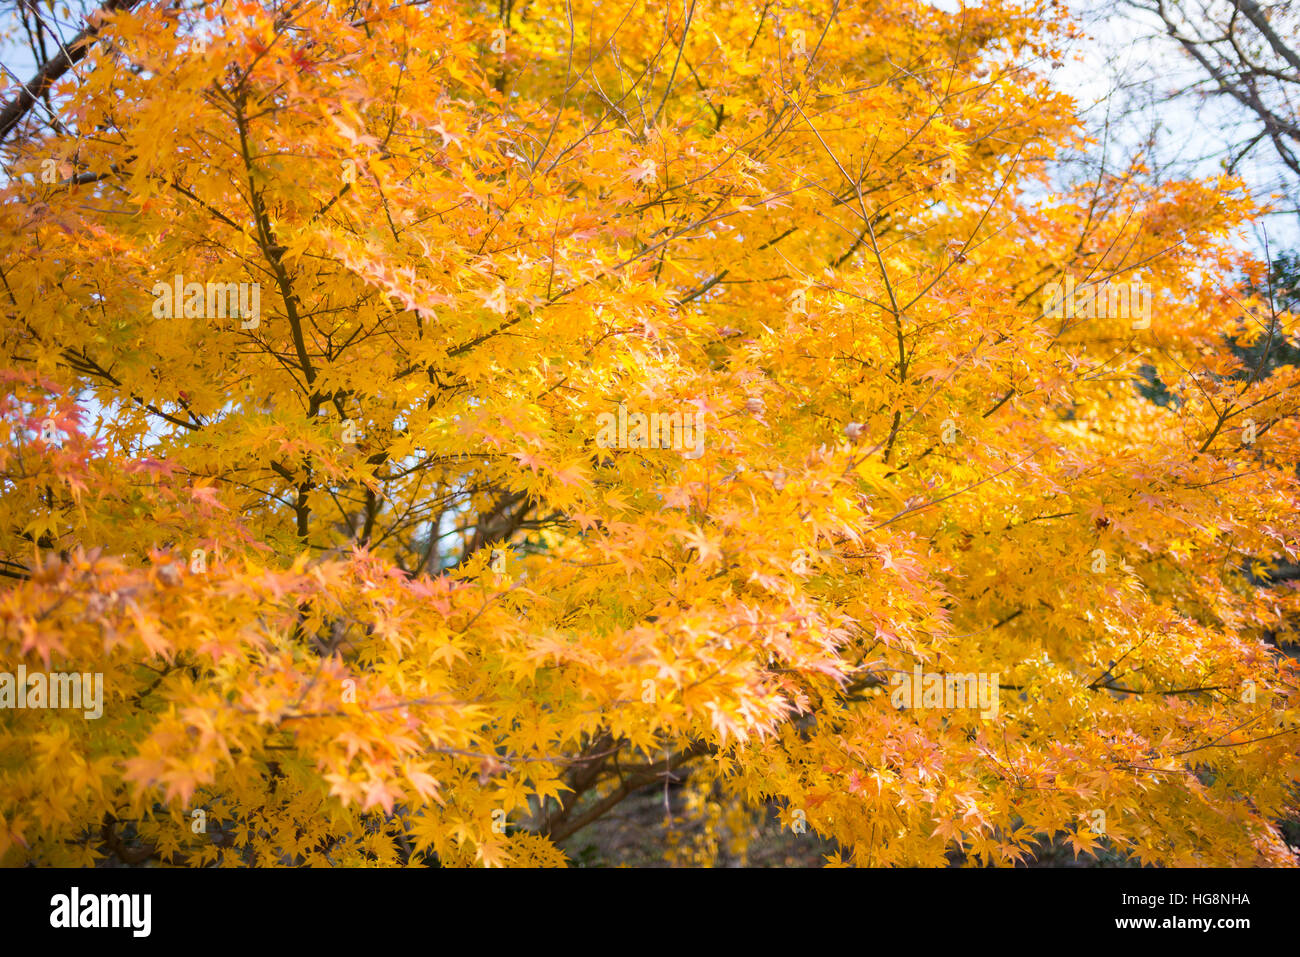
x=364, y=587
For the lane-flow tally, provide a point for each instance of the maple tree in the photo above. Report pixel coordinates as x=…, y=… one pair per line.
x=363, y=585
